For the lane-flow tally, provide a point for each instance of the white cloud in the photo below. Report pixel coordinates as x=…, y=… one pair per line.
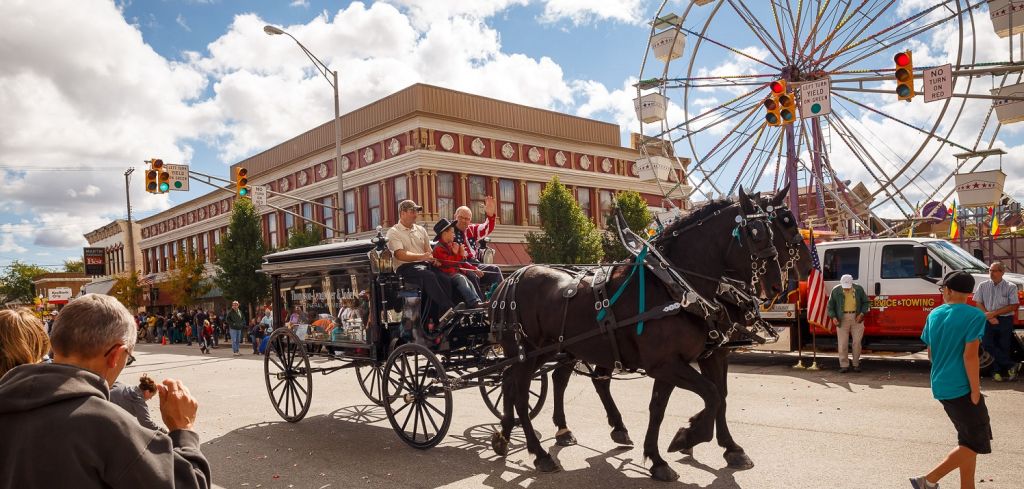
x=180, y=20
x=586, y=11
x=299, y=3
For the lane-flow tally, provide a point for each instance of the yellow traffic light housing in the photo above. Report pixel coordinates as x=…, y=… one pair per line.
x=163, y=177
x=904, y=75
x=771, y=107
x=787, y=107
x=151, y=178
x=242, y=181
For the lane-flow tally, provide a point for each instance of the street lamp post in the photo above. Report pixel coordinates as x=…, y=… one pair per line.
x=333, y=81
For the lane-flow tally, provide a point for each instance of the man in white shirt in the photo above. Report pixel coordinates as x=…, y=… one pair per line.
x=998, y=298
x=413, y=257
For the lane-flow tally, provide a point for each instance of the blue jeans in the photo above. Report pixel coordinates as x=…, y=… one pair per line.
x=236, y=339
x=465, y=289
x=998, y=342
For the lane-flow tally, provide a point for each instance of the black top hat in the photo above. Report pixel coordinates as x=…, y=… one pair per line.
x=440, y=227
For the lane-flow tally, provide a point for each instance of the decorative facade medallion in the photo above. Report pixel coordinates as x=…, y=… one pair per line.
x=283, y=184
x=224, y=206
x=606, y=165
x=345, y=163
x=368, y=155
x=585, y=162
x=191, y=217
x=163, y=227
x=508, y=151
x=213, y=210
x=560, y=158
x=477, y=146
x=202, y=213
x=181, y=221
x=533, y=154
x=303, y=178
x=145, y=232
x=394, y=146
x=447, y=142
x=633, y=170
x=321, y=170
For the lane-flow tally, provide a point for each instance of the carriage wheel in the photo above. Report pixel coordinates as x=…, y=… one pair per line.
x=538, y=393
x=371, y=379
x=289, y=381
x=418, y=404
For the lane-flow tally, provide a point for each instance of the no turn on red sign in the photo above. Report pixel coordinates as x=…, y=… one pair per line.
x=938, y=83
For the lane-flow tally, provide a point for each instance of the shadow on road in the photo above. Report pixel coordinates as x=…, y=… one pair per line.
x=342, y=449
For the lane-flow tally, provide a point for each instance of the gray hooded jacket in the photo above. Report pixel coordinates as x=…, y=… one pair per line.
x=59, y=430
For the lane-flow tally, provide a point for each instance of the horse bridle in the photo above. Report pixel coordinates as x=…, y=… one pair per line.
x=759, y=259
x=792, y=242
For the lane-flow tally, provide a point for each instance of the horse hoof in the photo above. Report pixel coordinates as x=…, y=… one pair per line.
x=664, y=473
x=621, y=436
x=738, y=460
x=680, y=442
x=546, y=464
x=499, y=444
x=687, y=451
x=565, y=439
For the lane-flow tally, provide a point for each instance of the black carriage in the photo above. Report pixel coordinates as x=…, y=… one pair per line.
x=403, y=360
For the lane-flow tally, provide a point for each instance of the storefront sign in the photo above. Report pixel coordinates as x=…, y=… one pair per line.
x=95, y=260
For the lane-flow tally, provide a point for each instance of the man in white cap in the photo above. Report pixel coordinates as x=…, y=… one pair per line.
x=847, y=305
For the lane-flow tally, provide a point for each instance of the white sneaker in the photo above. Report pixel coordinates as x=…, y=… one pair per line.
x=922, y=483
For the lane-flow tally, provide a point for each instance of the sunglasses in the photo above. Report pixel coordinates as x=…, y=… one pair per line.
x=131, y=358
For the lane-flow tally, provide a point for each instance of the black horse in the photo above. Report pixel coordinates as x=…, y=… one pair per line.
x=794, y=257
x=720, y=239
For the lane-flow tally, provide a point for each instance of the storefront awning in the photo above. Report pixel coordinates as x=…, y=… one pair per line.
x=101, y=286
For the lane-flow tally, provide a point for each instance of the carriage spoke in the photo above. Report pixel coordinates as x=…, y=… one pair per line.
x=416, y=421
x=436, y=410
x=426, y=415
x=408, y=415
x=279, y=365
x=300, y=387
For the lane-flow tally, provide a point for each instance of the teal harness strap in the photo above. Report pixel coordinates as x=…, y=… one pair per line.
x=638, y=263
x=643, y=292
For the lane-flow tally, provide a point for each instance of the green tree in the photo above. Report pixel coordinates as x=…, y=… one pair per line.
x=309, y=235
x=240, y=254
x=187, y=281
x=74, y=266
x=634, y=209
x=16, y=282
x=567, y=235
x=127, y=291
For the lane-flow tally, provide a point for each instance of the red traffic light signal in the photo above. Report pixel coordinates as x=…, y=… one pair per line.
x=778, y=87
x=904, y=74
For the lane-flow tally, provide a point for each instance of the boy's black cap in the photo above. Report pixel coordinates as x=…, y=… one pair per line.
x=959, y=281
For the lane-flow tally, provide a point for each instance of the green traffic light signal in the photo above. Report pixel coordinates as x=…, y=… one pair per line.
x=772, y=119
x=164, y=187
x=242, y=192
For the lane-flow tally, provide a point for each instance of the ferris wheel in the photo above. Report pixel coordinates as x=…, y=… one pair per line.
x=826, y=97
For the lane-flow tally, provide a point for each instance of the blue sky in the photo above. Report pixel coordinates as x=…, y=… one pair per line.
x=105, y=85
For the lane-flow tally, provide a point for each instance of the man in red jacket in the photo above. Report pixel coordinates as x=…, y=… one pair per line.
x=469, y=235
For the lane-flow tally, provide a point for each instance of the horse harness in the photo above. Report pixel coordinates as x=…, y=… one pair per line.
x=505, y=315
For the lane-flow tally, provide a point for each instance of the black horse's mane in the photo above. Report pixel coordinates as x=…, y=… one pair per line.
x=701, y=212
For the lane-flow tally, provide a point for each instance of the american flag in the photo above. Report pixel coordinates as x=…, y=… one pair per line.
x=816, y=297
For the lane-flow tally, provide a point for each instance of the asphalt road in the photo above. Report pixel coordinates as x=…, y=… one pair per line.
x=803, y=429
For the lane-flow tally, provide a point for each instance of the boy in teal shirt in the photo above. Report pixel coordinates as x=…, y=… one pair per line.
x=953, y=332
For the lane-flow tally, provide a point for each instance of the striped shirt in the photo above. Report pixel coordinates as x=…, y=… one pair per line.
x=994, y=296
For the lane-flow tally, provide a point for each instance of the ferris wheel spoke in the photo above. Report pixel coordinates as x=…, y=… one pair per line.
x=727, y=47
x=732, y=149
x=824, y=61
x=813, y=30
x=778, y=26
x=898, y=120
x=843, y=19
x=690, y=134
x=759, y=31
x=746, y=161
x=856, y=28
x=861, y=153
x=766, y=156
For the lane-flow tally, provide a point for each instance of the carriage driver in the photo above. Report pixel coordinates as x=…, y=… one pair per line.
x=469, y=234
x=412, y=255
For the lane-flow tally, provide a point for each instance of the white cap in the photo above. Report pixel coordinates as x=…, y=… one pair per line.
x=846, y=281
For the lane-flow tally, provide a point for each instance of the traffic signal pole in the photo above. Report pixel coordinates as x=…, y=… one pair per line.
x=131, y=229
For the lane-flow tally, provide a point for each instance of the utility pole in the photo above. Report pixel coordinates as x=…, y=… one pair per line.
x=131, y=229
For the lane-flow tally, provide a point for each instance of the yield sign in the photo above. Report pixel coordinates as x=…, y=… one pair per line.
x=815, y=98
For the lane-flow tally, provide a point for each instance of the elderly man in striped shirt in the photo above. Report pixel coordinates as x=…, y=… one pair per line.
x=469, y=235
x=998, y=299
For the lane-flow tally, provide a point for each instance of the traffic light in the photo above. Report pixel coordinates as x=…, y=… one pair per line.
x=151, y=178
x=787, y=107
x=242, y=181
x=771, y=107
x=163, y=177
x=904, y=75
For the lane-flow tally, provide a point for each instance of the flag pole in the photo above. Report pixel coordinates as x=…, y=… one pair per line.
x=799, y=333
